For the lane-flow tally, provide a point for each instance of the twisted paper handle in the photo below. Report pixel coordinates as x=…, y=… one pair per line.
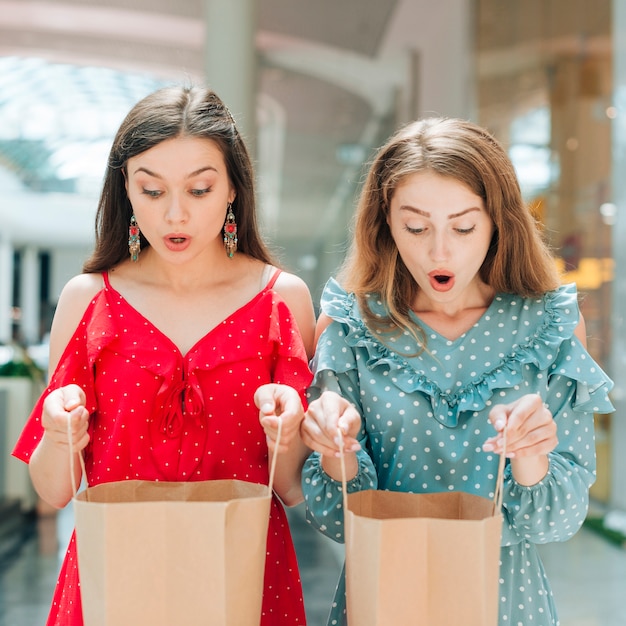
x=80, y=458
x=270, y=484
x=498, y=492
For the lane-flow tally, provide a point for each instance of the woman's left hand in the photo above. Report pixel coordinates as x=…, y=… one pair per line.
x=279, y=402
x=530, y=428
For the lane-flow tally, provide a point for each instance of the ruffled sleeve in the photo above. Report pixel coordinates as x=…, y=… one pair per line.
x=576, y=389
x=291, y=365
x=75, y=367
x=554, y=334
x=541, y=355
x=323, y=494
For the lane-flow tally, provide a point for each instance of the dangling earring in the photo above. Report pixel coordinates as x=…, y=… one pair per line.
x=134, y=244
x=230, y=232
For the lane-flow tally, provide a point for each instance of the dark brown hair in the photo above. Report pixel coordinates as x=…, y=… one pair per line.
x=165, y=114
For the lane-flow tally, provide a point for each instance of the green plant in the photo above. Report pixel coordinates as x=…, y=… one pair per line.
x=24, y=369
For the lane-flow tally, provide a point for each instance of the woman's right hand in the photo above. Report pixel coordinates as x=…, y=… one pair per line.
x=64, y=418
x=325, y=417
x=63, y=405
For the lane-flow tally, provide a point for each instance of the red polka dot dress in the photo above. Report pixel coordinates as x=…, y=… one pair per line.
x=157, y=414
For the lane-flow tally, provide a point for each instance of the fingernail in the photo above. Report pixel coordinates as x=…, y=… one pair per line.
x=488, y=447
x=499, y=425
x=267, y=408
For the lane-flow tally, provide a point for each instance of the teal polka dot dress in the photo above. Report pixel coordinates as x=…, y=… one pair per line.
x=425, y=419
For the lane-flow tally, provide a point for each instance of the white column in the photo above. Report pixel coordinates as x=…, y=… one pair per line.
x=29, y=295
x=231, y=60
x=6, y=289
x=618, y=370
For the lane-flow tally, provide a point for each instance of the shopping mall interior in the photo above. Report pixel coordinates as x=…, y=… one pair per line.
x=314, y=87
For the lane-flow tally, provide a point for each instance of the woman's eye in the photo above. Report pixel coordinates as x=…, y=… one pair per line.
x=465, y=231
x=414, y=231
x=200, y=192
x=152, y=193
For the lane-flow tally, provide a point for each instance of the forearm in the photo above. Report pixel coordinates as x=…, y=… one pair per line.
x=288, y=477
x=531, y=470
x=49, y=470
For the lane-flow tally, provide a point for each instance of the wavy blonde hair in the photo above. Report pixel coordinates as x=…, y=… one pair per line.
x=518, y=260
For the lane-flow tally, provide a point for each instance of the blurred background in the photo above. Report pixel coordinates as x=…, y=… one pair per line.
x=315, y=87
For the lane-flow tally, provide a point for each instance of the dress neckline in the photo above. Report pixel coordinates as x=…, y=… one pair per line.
x=266, y=289
x=431, y=333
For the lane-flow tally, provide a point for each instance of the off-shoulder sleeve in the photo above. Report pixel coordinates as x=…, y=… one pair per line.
x=335, y=369
x=576, y=389
x=291, y=366
x=75, y=366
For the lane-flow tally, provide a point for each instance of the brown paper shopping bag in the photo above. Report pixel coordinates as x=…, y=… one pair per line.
x=422, y=559
x=166, y=553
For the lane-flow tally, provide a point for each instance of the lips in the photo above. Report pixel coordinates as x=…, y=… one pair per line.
x=176, y=242
x=441, y=280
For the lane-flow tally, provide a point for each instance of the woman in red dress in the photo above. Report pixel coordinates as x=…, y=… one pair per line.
x=175, y=350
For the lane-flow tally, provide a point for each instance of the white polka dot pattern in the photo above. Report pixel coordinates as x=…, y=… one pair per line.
x=157, y=414
x=425, y=420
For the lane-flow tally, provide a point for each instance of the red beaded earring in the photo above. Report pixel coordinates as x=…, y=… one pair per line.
x=230, y=232
x=134, y=244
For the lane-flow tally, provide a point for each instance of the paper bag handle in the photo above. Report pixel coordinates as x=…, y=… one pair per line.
x=498, y=491
x=80, y=458
x=270, y=485
x=344, y=483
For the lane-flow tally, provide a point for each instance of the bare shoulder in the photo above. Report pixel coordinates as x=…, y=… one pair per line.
x=80, y=290
x=75, y=297
x=323, y=322
x=297, y=295
x=289, y=284
x=581, y=330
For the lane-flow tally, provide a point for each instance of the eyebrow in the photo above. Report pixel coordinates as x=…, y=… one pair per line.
x=191, y=175
x=406, y=207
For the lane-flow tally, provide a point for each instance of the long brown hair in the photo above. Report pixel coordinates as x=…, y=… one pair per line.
x=518, y=260
x=165, y=114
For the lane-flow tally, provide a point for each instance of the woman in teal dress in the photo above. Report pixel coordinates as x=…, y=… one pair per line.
x=447, y=323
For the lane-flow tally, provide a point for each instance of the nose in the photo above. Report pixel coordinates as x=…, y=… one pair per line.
x=176, y=211
x=439, y=247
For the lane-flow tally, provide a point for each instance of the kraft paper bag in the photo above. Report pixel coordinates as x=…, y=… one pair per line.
x=163, y=553
x=422, y=559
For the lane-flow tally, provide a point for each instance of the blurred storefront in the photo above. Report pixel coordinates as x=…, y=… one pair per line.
x=546, y=86
x=547, y=77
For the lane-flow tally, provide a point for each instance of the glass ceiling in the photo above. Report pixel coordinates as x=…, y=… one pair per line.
x=57, y=121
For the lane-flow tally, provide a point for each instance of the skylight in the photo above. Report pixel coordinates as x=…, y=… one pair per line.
x=57, y=121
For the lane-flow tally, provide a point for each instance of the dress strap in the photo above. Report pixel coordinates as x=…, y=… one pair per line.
x=270, y=283
x=105, y=277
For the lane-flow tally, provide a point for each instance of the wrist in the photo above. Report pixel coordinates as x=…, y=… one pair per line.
x=528, y=471
x=332, y=466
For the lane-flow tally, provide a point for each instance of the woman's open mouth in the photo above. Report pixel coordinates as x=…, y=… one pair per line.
x=176, y=242
x=441, y=281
